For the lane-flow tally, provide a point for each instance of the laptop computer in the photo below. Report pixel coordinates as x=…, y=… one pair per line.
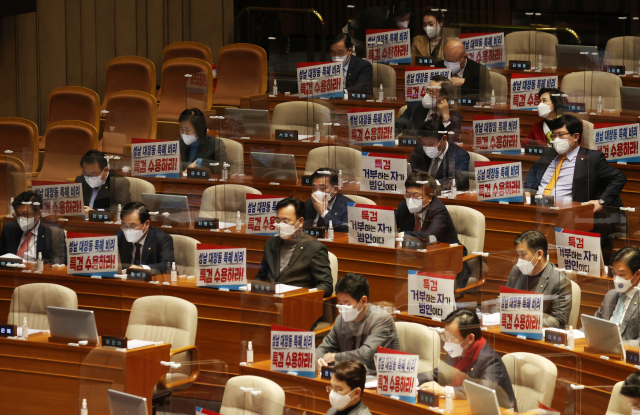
x=482, y=400
x=176, y=205
x=72, y=324
x=602, y=335
x=630, y=98
x=274, y=167
x=121, y=403
x=570, y=57
x=255, y=123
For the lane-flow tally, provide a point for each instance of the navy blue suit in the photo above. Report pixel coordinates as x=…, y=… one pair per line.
x=359, y=76
x=156, y=252
x=337, y=214
x=50, y=241
x=454, y=166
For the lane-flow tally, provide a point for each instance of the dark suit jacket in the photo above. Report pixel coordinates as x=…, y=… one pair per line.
x=157, y=250
x=51, y=241
x=594, y=178
x=210, y=150
x=437, y=222
x=114, y=183
x=488, y=370
x=476, y=79
x=359, y=76
x=415, y=115
x=629, y=327
x=553, y=284
x=308, y=266
x=337, y=214
x=454, y=166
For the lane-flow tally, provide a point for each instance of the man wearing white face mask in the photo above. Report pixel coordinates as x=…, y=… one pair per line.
x=466, y=73
x=357, y=331
x=620, y=305
x=469, y=356
x=347, y=386
x=325, y=203
x=99, y=183
x=534, y=273
x=31, y=234
x=357, y=74
x=293, y=257
x=140, y=245
x=197, y=149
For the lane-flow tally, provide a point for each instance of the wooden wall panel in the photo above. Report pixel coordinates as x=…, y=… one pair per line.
x=155, y=34
x=206, y=23
x=8, y=94
x=105, y=40
x=73, y=42
x=88, y=44
x=141, y=27
x=125, y=27
x=27, y=67
x=174, y=20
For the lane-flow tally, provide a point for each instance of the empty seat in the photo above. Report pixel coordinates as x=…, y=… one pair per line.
x=129, y=73
x=588, y=135
x=31, y=301
x=73, y=103
x=361, y=199
x=179, y=92
x=337, y=158
x=300, y=116
x=66, y=143
x=421, y=340
x=470, y=226
x=186, y=49
x=13, y=181
x=622, y=50
x=472, y=168
x=225, y=200
x=588, y=86
x=139, y=186
x=185, y=253
x=237, y=398
x=576, y=296
x=385, y=75
x=21, y=136
x=533, y=378
x=242, y=75
x=132, y=114
x=499, y=85
x=528, y=45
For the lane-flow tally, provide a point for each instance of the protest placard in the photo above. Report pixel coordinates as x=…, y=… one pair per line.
x=416, y=81
x=397, y=374
x=499, y=181
x=153, y=158
x=261, y=214
x=293, y=350
x=521, y=313
x=372, y=127
x=58, y=198
x=383, y=172
x=431, y=295
x=618, y=141
x=371, y=225
x=525, y=87
x=320, y=80
x=90, y=254
x=485, y=48
x=221, y=266
x=388, y=45
x=579, y=251
x=496, y=135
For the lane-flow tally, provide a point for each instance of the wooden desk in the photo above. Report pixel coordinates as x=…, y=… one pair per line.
x=42, y=377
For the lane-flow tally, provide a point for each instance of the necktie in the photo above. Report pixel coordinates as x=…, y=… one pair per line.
x=618, y=315
x=25, y=245
x=554, y=178
x=434, y=115
x=137, y=259
x=418, y=226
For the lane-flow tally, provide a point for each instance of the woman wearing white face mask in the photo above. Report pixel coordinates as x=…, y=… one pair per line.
x=551, y=104
x=197, y=149
x=428, y=45
x=347, y=387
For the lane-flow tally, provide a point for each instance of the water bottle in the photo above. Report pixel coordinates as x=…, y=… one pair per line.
x=493, y=98
x=340, y=179
x=174, y=273
x=330, y=231
x=84, y=410
x=599, y=111
x=454, y=189
x=275, y=87
x=448, y=408
x=40, y=262
x=381, y=93
x=317, y=136
x=250, y=354
x=570, y=338
x=238, y=222
x=25, y=328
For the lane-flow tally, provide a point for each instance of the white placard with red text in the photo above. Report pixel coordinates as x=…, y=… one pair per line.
x=395, y=47
x=495, y=134
x=221, y=266
x=371, y=225
x=153, y=158
x=416, y=81
x=397, y=374
x=485, y=48
x=431, y=295
x=618, y=141
x=579, y=251
x=525, y=87
x=58, y=198
x=320, y=80
x=521, y=313
x=261, y=214
x=89, y=254
x=384, y=173
x=545, y=410
x=499, y=181
x=293, y=350
x=372, y=127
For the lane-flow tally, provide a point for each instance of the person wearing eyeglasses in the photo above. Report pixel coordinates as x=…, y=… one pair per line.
x=293, y=257
x=31, y=234
x=346, y=389
x=99, y=183
x=466, y=73
x=140, y=245
x=357, y=74
x=469, y=357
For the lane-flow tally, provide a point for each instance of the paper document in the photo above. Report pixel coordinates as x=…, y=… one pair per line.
x=491, y=319
x=304, y=137
x=225, y=225
x=135, y=344
x=10, y=256
x=31, y=331
x=372, y=384
x=284, y=288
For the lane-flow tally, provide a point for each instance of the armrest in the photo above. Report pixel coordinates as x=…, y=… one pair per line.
x=70, y=179
x=323, y=332
x=470, y=257
x=482, y=278
x=195, y=367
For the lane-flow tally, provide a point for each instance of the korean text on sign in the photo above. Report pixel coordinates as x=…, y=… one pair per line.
x=61, y=199
x=397, y=374
x=416, y=81
x=486, y=48
x=388, y=45
x=155, y=158
x=579, y=251
x=320, y=79
x=261, y=214
x=431, y=295
x=496, y=135
x=293, y=350
x=221, y=266
x=89, y=254
x=525, y=87
x=499, y=182
x=383, y=173
x=618, y=142
x=372, y=127
x=521, y=313
x=371, y=224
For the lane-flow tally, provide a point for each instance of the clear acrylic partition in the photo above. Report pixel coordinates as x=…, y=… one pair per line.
x=126, y=119
x=198, y=90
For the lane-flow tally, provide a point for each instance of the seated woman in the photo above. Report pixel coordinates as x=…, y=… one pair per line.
x=197, y=149
x=550, y=102
x=428, y=45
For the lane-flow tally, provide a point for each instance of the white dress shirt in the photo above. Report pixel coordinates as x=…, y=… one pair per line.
x=344, y=74
x=446, y=124
x=31, y=254
x=435, y=163
x=564, y=185
x=624, y=305
x=133, y=251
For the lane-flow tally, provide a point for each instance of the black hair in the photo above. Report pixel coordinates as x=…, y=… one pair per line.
x=535, y=240
x=131, y=207
x=400, y=8
x=196, y=118
x=28, y=196
x=438, y=15
x=468, y=322
x=342, y=37
x=353, y=284
x=557, y=101
x=333, y=177
x=630, y=255
x=94, y=156
x=420, y=176
x=354, y=373
x=573, y=125
x=631, y=386
x=297, y=204
x=432, y=128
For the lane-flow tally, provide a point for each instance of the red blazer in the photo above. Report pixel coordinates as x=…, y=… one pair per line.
x=536, y=136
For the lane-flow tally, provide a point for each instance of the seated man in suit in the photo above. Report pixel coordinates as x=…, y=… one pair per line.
x=357, y=74
x=469, y=75
x=441, y=158
x=358, y=330
x=31, y=234
x=631, y=392
x=326, y=204
x=620, y=305
x=99, y=183
x=535, y=274
x=293, y=257
x=140, y=245
x=469, y=357
x=347, y=388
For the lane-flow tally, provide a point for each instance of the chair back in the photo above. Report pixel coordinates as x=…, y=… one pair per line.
x=622, y=50
x=235, y=155
x=31, y=301
x=74, y=103
x=180, y=92
x=588, y=135
x=139, y=186
x=617, y=404
x=132, y=114
x=470, y=226
x=361, y=199
x=333, y=264
x=337, y=158
x=472, y=168
x=576, y=296
x=225, y=200
x=185, y=251
x=242, y=71
x=13, y=181
x=402, y=110
x=300, y=116
x=186, y=49
x=588, y=86
x=528, y=45
x=385, y=75
x=129, y=73
x=421, y=340
x=236, y=401
x=533, y=378
x=66, y=143
x=21, y=136
x=499, y=85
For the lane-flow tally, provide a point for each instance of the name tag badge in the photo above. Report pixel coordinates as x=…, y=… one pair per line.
x=263, y=287
x=198, y=173
x=206, y=223
x=288, y=135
